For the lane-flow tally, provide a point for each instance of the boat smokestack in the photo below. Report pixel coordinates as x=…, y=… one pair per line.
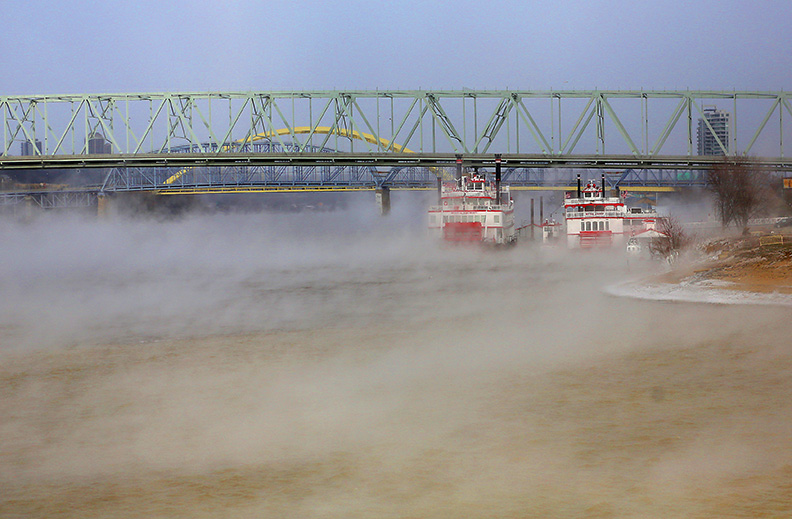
x=458, y=173
x=497, y=179
x=532, y=219
x=439, y=190
x=578, y=191
x=603, y=185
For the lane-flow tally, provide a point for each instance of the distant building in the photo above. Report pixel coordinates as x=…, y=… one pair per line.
x=98, y=144
x=29, y=148
x=720, y=121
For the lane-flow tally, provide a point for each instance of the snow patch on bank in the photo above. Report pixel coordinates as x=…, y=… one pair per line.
x=692, y=290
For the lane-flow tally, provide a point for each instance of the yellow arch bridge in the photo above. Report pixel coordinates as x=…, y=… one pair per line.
x=525, y=179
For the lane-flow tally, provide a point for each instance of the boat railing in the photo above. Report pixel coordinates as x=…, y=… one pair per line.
x=596, y=214
x=594, y=200
x=643, y=212
x=470, y=207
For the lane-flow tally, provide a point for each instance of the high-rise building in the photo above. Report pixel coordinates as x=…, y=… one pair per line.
x=720, y=121
x=31, y=148
x=98, y=144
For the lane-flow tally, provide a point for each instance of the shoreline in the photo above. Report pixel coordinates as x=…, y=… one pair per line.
x=735, y=271
x=697, y=291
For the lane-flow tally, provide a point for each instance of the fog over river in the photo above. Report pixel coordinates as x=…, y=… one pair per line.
x=342, y=365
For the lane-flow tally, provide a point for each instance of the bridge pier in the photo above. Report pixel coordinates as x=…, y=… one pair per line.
x=101, y=206
x=29, y=208
x=382, y=195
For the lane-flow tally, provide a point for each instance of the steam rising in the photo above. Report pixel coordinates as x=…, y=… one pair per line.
x=343, y=365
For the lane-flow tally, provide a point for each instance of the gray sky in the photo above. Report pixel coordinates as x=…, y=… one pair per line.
x=168, y=45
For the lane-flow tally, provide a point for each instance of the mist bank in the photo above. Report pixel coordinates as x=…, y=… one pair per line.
x=342, y=364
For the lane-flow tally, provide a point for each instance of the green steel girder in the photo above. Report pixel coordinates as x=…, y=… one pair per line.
x=429, y=160
x=551, y=127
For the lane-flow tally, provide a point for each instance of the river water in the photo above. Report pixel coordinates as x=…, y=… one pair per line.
x=340, y=365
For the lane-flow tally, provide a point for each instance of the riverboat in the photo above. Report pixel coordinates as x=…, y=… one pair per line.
x=473, y=209
x=596, y=220
x=552, y=232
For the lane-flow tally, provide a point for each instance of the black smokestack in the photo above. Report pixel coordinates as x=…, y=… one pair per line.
x=439, y=190
x=532, y=219
x=458, y=167
x=497, y=178
x=603, y=185
x=578, y=192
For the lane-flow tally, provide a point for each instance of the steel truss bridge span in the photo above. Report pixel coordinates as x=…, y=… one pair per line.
x=532, y=129
x=328, y=176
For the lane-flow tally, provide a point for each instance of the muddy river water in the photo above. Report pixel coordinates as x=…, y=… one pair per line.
x=326, y=366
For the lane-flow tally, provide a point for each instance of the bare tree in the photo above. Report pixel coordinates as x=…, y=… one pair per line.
x=739, y=190
x=674, y=238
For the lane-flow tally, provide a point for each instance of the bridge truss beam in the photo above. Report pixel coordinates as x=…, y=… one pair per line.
x=566, y=129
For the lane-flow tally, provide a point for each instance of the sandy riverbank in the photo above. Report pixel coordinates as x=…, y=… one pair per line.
x=725, y=271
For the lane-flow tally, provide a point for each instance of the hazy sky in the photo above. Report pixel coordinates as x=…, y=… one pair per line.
x=169, y=45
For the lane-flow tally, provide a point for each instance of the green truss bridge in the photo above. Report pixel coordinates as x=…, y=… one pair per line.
x=169, y=142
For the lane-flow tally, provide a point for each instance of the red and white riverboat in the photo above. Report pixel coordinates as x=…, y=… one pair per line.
x=473, y=209
x=594, y=219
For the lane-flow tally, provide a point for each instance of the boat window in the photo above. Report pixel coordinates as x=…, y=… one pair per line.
x=607, y=225
x=609, y=208
x=497, y=218
x=600, y=208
